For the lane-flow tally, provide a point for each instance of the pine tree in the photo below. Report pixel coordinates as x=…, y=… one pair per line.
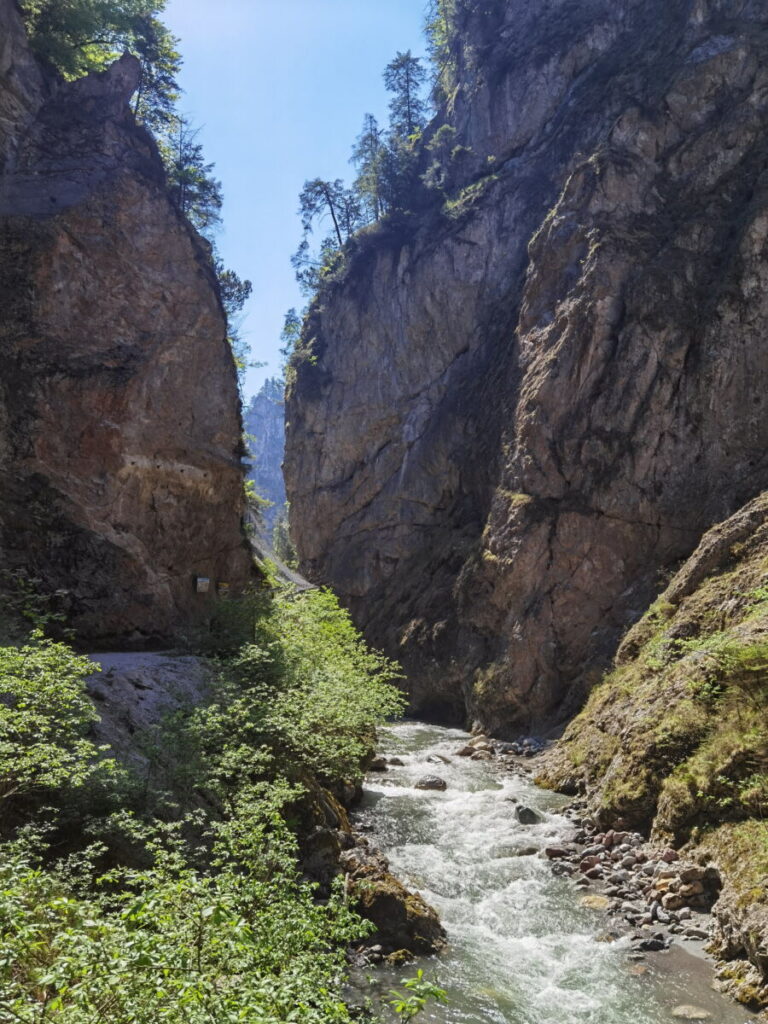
x=234, y=292
x=322, y=200
x=319, y=199
x=404, y=77
x=289, y=336
x=194, y=190
x=369, y=158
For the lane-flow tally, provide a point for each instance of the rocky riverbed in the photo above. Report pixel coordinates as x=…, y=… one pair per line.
x=549, y=920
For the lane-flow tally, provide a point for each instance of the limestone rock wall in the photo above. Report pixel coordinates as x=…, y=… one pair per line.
x=265, y=429
x=519, y=411
x=119, y=413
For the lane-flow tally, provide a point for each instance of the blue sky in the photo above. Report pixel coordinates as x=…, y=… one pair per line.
x=280, y=88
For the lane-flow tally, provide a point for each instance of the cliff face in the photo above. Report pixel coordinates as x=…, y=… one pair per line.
x=119, y=423
x=265, y=427
x=520, y=412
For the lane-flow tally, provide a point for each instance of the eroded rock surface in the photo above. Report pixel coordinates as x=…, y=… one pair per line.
x=521, y=407
x=119, y=421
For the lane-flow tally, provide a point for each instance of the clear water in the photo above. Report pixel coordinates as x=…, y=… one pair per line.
x=522, y=950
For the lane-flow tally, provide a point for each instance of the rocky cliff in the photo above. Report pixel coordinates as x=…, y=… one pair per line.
x=520, y=405
x=119, y=421
x=265, y=430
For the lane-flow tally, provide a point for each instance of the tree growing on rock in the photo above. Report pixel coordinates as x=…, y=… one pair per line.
x=319, y=201
x=369, y=158
x=193, y=188
x=404, y=77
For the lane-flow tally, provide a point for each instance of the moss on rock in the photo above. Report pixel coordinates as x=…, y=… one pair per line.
x=675, y=739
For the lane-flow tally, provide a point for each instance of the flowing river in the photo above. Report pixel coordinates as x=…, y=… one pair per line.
x=522, y=950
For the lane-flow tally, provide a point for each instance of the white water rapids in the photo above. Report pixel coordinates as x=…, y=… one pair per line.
x=522, y=950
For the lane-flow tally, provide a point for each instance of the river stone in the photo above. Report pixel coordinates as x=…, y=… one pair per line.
x=690, y=1013
x=396, y=762
x=378, y=764
x=556, y=852
x=438, y=759
x=594, y=902
x=527, y=816
x=431, y=782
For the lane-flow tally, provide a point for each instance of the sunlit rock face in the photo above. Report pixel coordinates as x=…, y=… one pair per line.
x=522, y=410
x=119, y=413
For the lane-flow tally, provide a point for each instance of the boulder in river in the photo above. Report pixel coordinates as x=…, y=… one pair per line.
x=403, y=920
x=431, y=782
x=527, y=815
x=690, y=1013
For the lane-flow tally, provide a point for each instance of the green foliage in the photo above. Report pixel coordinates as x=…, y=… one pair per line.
x=234, y=292
x=404, y=78
x=281, y=540
x=25, y=605
x=306, y=695
x=320, y=201
x=289, y=338
x=193, y=189
x=441, y=43
x=80, y=36
x=187, y=906
x=369, y=158
x=388, y=178
x=336, y=689
x=419, y=992
x=45, y=717
x=155, y=101
x=243, y=942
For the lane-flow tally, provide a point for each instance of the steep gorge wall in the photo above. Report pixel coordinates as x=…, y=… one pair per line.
x=265, y=436
x=119, y=413
x=519, y=412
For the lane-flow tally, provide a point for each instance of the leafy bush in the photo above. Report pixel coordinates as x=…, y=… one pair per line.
x=45, y=716
x=187, y=906
x=242, y=942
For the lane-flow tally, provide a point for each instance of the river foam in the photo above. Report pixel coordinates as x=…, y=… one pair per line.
x=522, y=949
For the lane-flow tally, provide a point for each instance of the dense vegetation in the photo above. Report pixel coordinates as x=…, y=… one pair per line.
x=77, y=37
x=130, y=894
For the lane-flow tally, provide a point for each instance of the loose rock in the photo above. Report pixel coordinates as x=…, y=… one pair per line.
x=431, y=782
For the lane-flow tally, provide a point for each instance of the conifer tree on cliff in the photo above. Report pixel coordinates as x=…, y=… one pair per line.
x=404, y=77
x=369, y=157
x=194, y=190
x=324, y=200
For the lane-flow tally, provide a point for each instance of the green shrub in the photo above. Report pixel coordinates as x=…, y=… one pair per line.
x=244, y=941
x=184, y=903
x=45, y=717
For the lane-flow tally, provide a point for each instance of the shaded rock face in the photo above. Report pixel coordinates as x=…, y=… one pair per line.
x=119, y=421
x=265, y=427
x=520, y=412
